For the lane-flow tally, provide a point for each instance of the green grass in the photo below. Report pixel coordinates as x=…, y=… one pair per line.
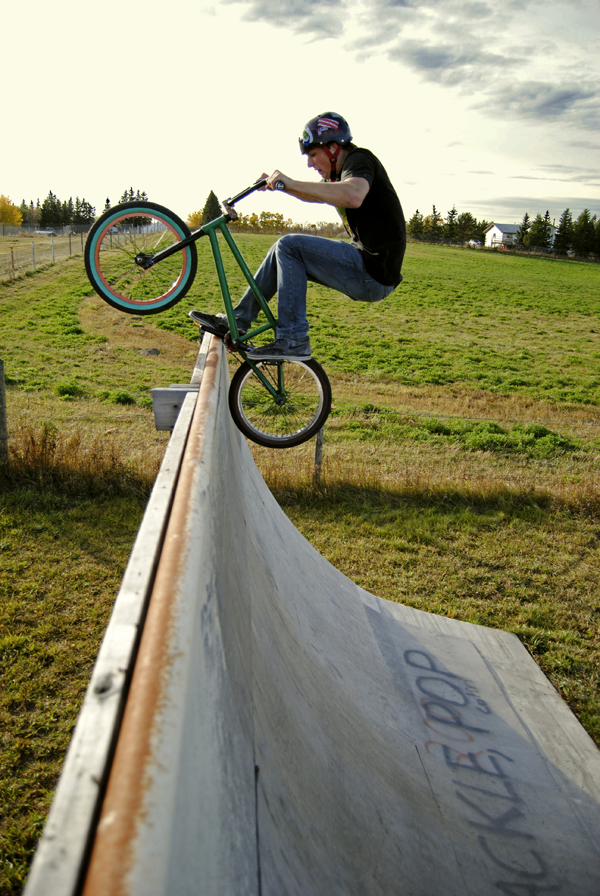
x=461, y=472
x=506, y=324
x=62, y=557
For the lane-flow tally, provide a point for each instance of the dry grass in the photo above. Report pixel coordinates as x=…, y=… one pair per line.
x=47, y=458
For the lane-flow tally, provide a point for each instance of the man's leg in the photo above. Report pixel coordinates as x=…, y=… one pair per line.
x=291, y=263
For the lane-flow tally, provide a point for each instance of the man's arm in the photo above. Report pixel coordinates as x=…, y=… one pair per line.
x=348, y=193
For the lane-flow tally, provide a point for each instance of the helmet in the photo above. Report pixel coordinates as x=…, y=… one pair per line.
x=326, y=128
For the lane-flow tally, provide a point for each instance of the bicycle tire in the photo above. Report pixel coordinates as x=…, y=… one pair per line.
x=118, y=236
x=299, y=415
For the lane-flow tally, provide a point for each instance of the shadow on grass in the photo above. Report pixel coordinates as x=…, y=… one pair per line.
x=351, y=497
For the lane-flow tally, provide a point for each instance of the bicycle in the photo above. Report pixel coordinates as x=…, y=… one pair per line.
x=142, y=259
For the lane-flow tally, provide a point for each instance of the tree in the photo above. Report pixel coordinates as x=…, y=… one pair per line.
x=9, y=213
x=129, y=195
x=597, y=239
x=273, y=222
x=51, y=211
x=107, y=206
x=212, y=208
x=83, y=212
x=584, y=232
x=414, y=227
x=432, y=225
x=194, y=219
x=67, y=211
x=523, y=231
x=480, y=229
x=563, y=241
x=540, y=234
x=450, y=225
x=466, y=227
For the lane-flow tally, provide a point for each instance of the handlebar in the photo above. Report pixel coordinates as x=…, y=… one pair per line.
x=229, y=203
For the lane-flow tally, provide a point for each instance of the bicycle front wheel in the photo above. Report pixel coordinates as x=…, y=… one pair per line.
x=126, y=232
x=297, y=411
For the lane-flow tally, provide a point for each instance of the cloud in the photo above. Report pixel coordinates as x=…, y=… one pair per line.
x=577, y=103
x=510, y=209
x=515, y=62
x=316, y=18
x=446, y=63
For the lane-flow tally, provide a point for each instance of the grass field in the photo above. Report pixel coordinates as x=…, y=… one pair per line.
x=461, y=472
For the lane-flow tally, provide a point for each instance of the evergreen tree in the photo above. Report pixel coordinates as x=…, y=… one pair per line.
x=597, y=239
x=31, y=213
x=66, y=211
x=414, y=227
x=563, y=241
x=523, y=231
x=212, y=208
x=466, y=227
x=51, y=211
x=450, y=225
x=24, y=209
x=584, y=232
x=84, y=212
x=129, y=195
x=107, y=205
x=540, y=234
x=132, y=195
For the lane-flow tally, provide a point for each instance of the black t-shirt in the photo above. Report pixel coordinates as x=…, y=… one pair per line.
x=377, y=228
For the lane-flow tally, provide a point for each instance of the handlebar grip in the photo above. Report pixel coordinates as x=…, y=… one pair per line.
x=279, y=185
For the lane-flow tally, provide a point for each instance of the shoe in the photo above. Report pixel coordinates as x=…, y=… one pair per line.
x=212, y=323
x=283, y=349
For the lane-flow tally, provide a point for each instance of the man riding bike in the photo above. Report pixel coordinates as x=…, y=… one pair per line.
x=367, y=269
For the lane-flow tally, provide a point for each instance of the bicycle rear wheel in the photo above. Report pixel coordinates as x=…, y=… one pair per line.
x=121, y=234
x=303, y=402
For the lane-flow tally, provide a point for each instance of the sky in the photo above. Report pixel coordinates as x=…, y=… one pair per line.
x=491, y=106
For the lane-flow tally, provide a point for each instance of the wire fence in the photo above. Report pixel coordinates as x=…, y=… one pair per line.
x=21, y=255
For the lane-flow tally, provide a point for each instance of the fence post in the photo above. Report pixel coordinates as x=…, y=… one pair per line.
x=12, y=261
x=33, y=254
x=82, y=242
x=3, y=426
x=70, y=253
x=52, y=238
x=319, y=453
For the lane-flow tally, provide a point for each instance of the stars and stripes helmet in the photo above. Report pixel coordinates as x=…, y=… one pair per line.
x=323, y=129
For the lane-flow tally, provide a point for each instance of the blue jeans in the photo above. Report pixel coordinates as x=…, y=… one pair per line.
x=290, y=264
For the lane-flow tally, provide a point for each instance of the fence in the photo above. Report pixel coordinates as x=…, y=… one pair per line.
x=18, y=256
x=35, y=230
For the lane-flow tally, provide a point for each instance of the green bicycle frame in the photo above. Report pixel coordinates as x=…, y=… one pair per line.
x=221, y=225
x=210, y=229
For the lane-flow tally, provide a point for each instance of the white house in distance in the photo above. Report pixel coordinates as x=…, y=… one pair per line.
x=501, y=235
x=505, y=235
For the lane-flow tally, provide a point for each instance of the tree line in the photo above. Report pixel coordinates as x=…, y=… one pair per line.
x=455, y=227
x=580, y=236
x=265, y=222
x=53, y=212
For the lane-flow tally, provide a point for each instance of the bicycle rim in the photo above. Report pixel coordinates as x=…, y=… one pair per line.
x=113, y=244
x=303, y=406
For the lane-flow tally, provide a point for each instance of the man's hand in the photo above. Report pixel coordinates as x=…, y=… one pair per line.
x=277, y=177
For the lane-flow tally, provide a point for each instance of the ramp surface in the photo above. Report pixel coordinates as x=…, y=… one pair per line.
x=288, y=733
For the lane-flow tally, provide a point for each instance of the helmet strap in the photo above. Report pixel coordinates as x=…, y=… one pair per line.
x=333, y=154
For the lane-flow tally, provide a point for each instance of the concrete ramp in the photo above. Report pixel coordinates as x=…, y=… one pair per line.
x=286, y=732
